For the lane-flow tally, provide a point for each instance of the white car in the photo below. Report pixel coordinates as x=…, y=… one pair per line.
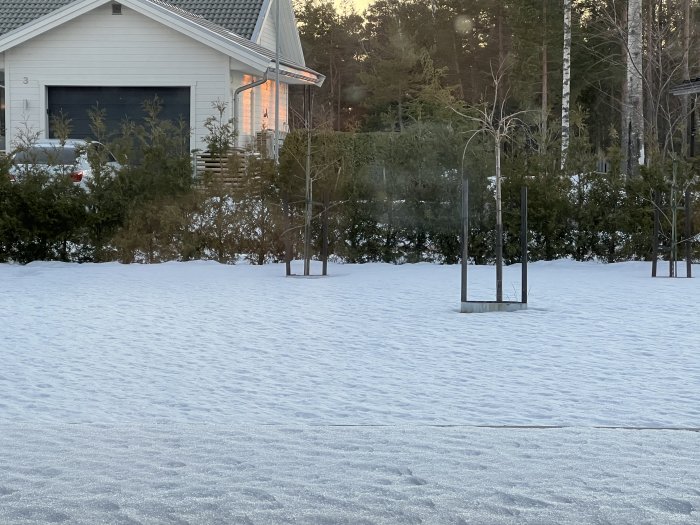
x=71, y=158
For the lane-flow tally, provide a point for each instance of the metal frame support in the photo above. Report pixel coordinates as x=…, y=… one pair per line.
x=499, y=304
x=688, y=234
x=523, y=242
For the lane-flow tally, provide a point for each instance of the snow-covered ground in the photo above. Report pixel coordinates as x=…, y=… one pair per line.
x=201, y=393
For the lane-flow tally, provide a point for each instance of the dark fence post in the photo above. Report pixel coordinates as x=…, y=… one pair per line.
x=688, y=233
x=465, y=234
x=288, y=245
x=324, y=233
x=655, y=235
x=523, y=241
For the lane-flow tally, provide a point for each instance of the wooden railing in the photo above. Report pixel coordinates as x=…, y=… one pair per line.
x=230, y=170
x=227, y=170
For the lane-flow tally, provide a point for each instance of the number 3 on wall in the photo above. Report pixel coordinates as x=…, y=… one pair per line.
x=25, y=80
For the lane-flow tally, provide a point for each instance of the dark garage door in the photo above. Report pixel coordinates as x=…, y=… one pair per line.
x=119, y=103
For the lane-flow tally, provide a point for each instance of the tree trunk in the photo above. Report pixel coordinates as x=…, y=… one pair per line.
x=650, y=118
x=331, y=82
x=499, y=32
x=685, y=99
x=499, y=23
x=340, y=90
x=635, y=117
x=545, y=82
x=566, y=83
x=624, y=106
x=458, y=70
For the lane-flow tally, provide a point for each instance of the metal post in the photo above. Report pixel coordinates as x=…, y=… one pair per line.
x=655, y=235
x=277, y=81
x=308, y=198
x=688, y=233
x=465, y=233
x=499, y=228
x=288, y=247
x=285, y=204
x=523, y=241
x=674, y=210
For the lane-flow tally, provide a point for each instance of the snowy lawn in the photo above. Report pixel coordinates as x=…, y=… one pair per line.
x=201, y=393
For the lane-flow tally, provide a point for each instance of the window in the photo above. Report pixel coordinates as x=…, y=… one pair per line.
x=49, y=156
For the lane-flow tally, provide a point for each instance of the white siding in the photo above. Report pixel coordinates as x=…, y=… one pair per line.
x=101, y=49
x=290, y=47
x=268, y=33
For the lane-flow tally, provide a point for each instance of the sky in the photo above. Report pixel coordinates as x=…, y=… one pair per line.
x=360, y=5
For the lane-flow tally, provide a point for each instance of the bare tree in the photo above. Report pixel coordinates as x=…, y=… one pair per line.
x=650, y=73
x=566, y=83
x=490, y=118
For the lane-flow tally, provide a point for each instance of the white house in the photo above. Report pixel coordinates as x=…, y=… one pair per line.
x=68, y=56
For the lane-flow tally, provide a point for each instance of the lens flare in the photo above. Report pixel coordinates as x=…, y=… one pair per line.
x=463, y=24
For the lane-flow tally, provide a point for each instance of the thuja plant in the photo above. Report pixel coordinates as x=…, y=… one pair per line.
x=155, y=178
x=221, y=134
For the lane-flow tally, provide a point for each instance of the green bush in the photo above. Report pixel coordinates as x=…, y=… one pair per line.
x=392, y=197
x=41, y=219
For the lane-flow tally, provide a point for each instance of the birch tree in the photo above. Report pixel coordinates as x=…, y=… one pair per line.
x=566, y=83
x=633, y=150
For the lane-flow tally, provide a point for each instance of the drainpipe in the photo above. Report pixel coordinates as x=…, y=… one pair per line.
x=277, y=81
x=235, y=102
x=3, y=145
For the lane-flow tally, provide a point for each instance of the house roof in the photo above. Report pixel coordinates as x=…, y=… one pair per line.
x=196, y=25
x=237, y=16
x=198, y=20
x=212, y=26
x=16, y=13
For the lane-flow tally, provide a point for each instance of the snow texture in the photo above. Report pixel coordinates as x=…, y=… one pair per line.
x=202, y=393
